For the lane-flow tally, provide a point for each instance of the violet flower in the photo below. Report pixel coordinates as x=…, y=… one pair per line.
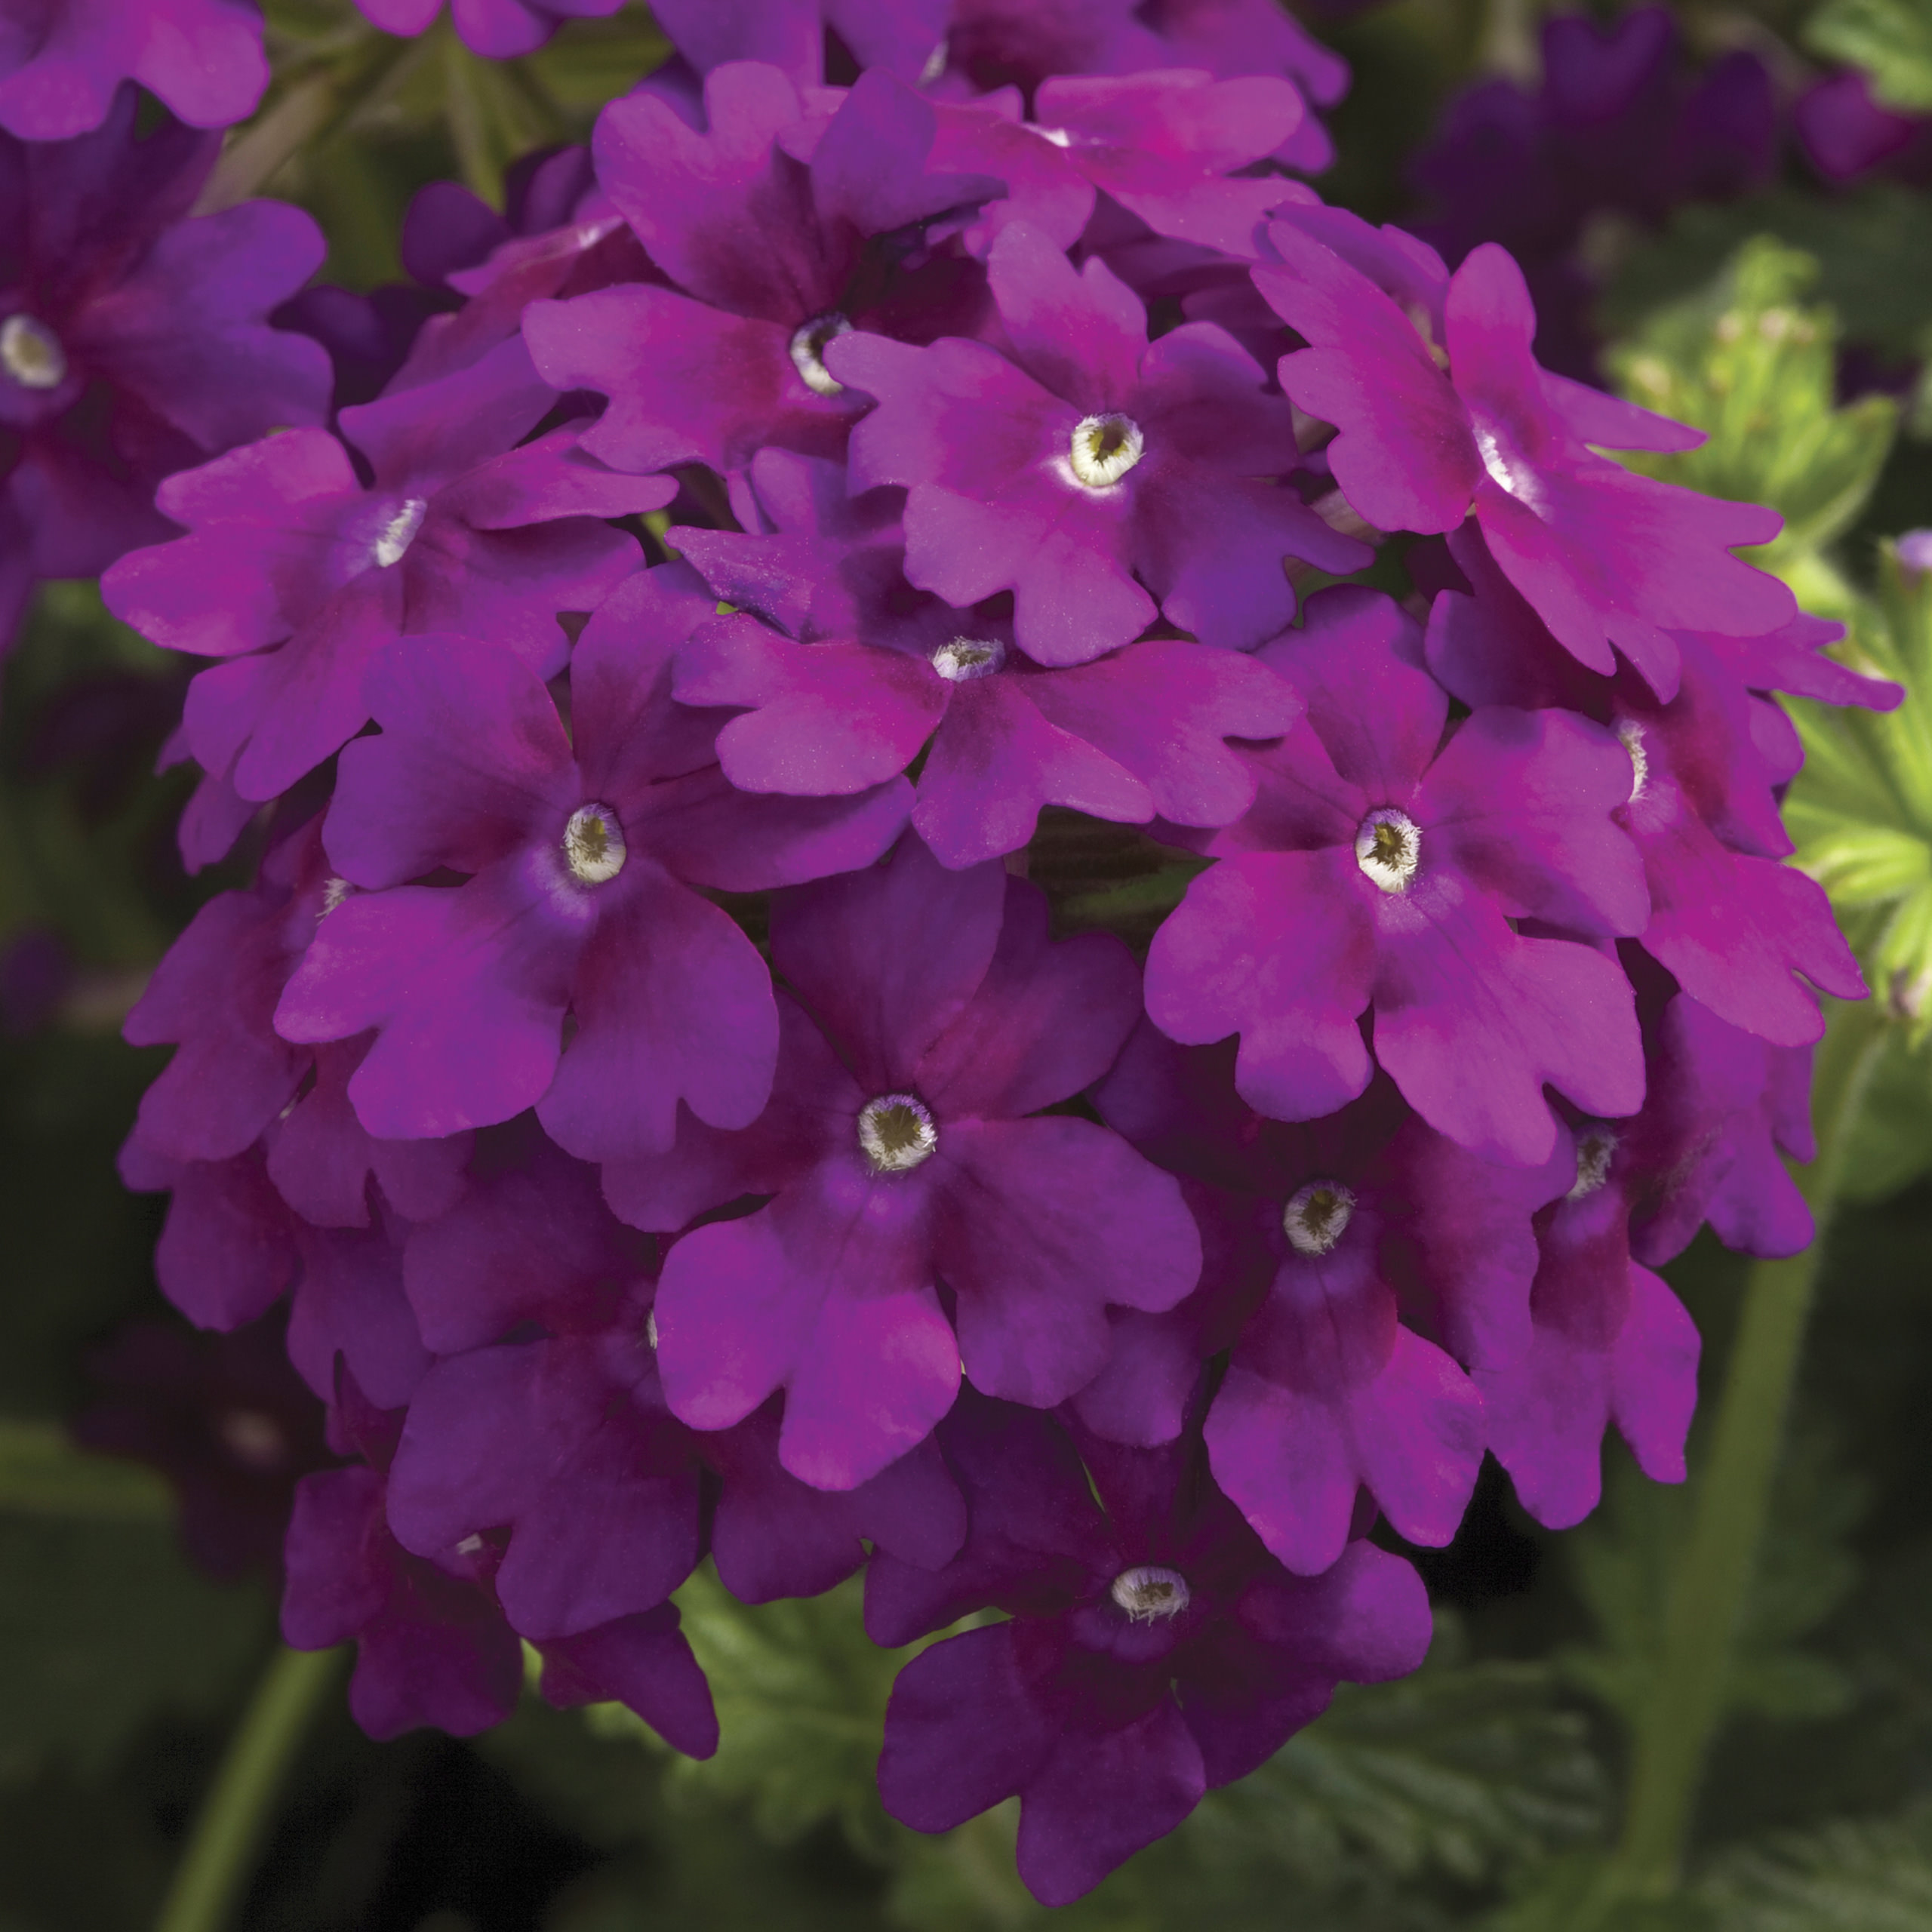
x=432, y=1646
x=955, y=1019
x=778, y=234
x=497, y=29
x=461, y=530
x=1612, y=1344
x=62, y=62
x=1377, y=871
x=1154, y=1653
x=1091, y=460
x=1733, y=926
x=864, y=672
x=134, y=341
x=1428, y=431
x=583, y=854
x=1327, y=1391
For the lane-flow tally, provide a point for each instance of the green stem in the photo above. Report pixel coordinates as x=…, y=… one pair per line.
x=1714, y=1570
x=235, y=1815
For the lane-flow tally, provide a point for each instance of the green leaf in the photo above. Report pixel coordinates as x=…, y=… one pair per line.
x=103, y=1626
x=1890, y=1144
x=801, y=1693
x=1749, y=362
x=1860, y=812
x=1623, y=1559
x=1870, y=242
x=1891, y=40
x=1851, y=1875
x=42, y=1474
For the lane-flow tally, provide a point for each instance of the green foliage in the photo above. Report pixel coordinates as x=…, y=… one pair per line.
x=1891, y=40
x=801, y=1693
x=112, y=1629
x=1623, y=1558
x=1749, y=362
x=1861, y=811
x=1851, y=1875
x=356, y=120
x=1870, y=243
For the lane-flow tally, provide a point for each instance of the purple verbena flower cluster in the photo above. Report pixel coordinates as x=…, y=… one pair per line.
x=675, y=1122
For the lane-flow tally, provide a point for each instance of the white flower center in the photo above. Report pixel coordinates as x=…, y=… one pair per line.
x=1317, y=1216
x=30, y=353
x=808, y=342
x=1104, y=448
x=1389, y=848
x=1596, y=1148
x=651, y=1328
x=1150, y=1593
x=1632, y=733
x=966, y=658
x=935, y=64
x=334, y=891
x=594, y=845
x=400, y=532
x=897, y=1132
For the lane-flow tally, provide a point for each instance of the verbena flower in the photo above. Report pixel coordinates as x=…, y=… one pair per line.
x=1154, y=1651
x=465, y=527
x=1379, y=872
x=864, y=674
x=1099, y=477
x=948, y=1021
x=133, y=341
x=582, y=857
x=62, y=61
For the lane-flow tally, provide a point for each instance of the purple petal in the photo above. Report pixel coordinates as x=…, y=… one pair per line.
x=1231, y=959
x=887, y=958
x=1047, y=1021
x=672, y=1003
x=1471, y=1020
x=643, y=1662
x=1041, y=1224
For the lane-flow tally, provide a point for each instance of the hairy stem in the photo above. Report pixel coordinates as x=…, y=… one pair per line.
x=1714, y=1569
x=235, y=1815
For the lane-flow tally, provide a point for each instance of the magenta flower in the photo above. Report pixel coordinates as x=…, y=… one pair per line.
x=583, y=854
x=905, y=37
x=871, y=672
x=497, y=29
x=1612, y=1344
x=461, y=530
x=1327, y=1391
x=772, y=254
x=432, y=1646
x=1162, y=145
x=213, y=997
x=322, y=1160
x=1734, y=928
x=1091, y=460
x=134, y=341
x=565, y=1447
x=1153, y=1654
x=1377, y=871
x=62, y=62
x=561, y=1440
x=955, y=1019
x=1606, y=557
